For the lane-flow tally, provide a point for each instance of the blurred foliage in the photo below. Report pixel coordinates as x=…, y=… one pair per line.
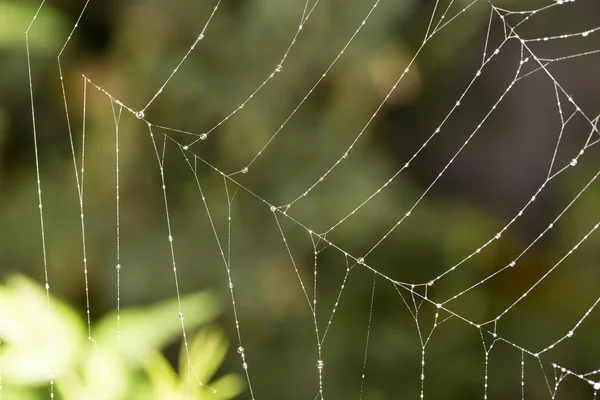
x=38, y=336
x=129, y=48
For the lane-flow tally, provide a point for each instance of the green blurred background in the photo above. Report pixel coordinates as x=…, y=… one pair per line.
x=130, y=48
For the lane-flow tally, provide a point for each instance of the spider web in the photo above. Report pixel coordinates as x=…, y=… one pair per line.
x=328, y=268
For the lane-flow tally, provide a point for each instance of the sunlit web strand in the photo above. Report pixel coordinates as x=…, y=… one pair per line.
x=192, y=47
x=117, y=120
x=439, y=127
x=370, y=120
x=594, y=228
x=160, y=157
x=549, y=75
x=421, y=148
x=408, y=287
x=226, y=258
x=246, y=168
x=409, y=212
x=50, y=327
x=321, y=78
x=508, y=88
x=411, y=289
x=195, y=158
x=261, y=199
x=364, y=369
x=519, y=214
x=571, y=332
x=305, y=16
x=484, y=62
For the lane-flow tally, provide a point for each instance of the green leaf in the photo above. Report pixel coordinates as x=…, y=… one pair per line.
x=36, y=338
x=142, y=330
x=163, y=379
x=227, y=387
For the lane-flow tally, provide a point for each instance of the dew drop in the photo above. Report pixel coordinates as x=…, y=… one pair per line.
x=139, y=114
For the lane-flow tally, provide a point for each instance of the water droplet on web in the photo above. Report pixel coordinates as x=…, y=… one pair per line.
x=118, y=266
x=203, y=136
x=279, y=68
x=180, y=315
x=597, y=386
x=185, y=147
x=320, y=364
x=245, y=365
x=139, y=114
x=573, y=162
x=240, y=349
x=245, y=170
x=361, y=260
x=201, y=36
x=273, y=209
